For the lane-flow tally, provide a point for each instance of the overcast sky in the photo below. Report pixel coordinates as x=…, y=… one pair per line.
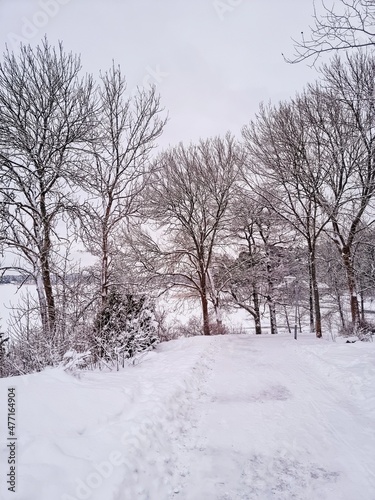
x=213, y=61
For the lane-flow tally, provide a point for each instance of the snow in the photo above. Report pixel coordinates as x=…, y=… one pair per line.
x=226, y=417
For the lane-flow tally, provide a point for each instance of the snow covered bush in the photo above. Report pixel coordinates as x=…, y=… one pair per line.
x=191, y=328
x=73, y=360
x=30, y=353
x=29, y=349
x=364, y=331
x=125, y=327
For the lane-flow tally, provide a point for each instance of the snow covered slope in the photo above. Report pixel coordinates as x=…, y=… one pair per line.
x=230, y=417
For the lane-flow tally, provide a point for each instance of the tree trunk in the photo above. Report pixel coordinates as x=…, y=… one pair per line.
x=45, y=269
x=258, y=326
x=272, y=310
x=206, y=320
x=104, y=273
x=311, y=298
x=219, y=321
x=104, y=279
x=215, y=299
x=219, y=330
x=362, y=306
x=339, y=304
x=354, y=306
x=204, y=302
x=42, y=300
x=318, y=317
x=287, y=319
x=270, y=301
x=50, y=300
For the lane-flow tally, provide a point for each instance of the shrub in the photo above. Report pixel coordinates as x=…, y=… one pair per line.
x=124, y=327
x=364, y=331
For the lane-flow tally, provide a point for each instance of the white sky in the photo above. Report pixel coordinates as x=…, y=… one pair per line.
x=213, y=61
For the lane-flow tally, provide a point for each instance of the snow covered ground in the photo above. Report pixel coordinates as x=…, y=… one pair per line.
x=229, y=417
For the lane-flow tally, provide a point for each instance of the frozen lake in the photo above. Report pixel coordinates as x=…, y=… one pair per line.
x=238, y=321
x=10, y=295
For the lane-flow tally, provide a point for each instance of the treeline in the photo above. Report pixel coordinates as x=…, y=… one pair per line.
x=11, y=279
x=279, y=220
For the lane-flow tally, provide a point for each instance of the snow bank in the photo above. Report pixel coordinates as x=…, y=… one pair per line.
x=103, y=435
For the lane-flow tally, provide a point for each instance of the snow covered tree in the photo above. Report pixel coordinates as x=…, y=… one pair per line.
x=117, y=169
x=313, y=159
x=188, y=199
x=252, y=273
x=46, y=114
x=243, y=283
x=346, y=124
x=285, y=169
x=125, y=327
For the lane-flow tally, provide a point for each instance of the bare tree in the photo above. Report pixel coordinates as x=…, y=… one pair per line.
x=347, y=129
x=46, y=113
x=188, y=199
x=117, y=168
x=285, y=170
x=338, y=26
x=254, y=275
x=333, y=276
x=266, y=229
x=364, y=264
x=245, y=272
x=314, y=157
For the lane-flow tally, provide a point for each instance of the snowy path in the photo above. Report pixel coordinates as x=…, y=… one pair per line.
x=269, y=427
x=229, y=417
